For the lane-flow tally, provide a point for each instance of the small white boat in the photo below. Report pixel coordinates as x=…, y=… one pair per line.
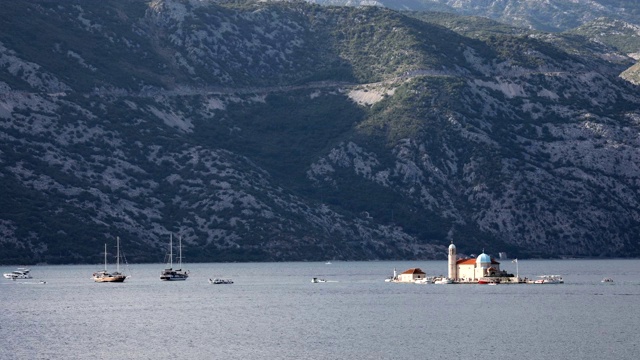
x=607, y=280
x=549, y=279
x=316, y=280
x=443, y=280
x=20, y=273
x=424, y=280
x=218, y=281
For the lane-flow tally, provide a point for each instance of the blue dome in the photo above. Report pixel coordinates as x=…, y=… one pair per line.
x=483, y=259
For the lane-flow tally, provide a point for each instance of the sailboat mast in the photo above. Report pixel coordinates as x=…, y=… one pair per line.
x=117, y=253
x=105, y=256
x=180, y=253
x=171, y=251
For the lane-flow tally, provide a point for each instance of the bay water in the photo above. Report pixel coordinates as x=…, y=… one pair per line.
x=274, y=311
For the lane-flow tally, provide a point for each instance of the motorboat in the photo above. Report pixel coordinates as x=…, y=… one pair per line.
x=218, y=281
x=104, y=275
x=607, y=280
x=424, y=280
x=317, y=280
x=549, y=279
x=443, y=280
x=19, y=273
x=488, y=281
x=169, y=273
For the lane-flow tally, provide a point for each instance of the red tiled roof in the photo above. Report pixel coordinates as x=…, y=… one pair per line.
x=414, y=271
x=471, y=261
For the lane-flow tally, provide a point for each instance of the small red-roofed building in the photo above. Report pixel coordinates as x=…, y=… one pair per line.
x=411, y=275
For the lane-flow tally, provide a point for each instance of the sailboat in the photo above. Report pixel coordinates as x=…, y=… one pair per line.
x=169, y=274
x=104, y=275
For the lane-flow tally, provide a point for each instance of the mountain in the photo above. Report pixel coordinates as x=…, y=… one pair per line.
x=548, y=15
x=618, y=34
x=269, y=131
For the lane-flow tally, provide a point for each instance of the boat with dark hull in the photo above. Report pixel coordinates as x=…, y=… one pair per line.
x=171, y=274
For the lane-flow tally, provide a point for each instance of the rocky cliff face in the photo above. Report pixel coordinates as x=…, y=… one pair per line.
x=286, y=131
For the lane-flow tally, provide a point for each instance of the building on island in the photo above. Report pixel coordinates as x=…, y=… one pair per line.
x=482, y=268
x=411, y=275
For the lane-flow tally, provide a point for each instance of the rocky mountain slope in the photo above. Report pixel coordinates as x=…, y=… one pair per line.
x=548, y=15
x=288, y=131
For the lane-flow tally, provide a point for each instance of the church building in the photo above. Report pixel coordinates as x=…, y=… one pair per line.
x=472, y=270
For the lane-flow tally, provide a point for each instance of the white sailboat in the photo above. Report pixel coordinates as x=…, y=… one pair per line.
x=170, y=274
x=104, y=275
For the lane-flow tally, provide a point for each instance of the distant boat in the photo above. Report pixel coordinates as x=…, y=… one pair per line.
x=443, y=280
x=20, y=273
x=549, y=279
x=424, y=280
x=104, y=275
x=169, y=274
x=488, y=281
x=317, y=280
x=607, y=280
x=218, y=281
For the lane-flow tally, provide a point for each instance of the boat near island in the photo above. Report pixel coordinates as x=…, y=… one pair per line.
x=424, y=281
x=19, y=273
x=169, y=273
x=489, y=281
x=442, y=281
x=549, y=279
x=104, y=275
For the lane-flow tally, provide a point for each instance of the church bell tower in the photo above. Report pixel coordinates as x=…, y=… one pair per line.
x=453, y=258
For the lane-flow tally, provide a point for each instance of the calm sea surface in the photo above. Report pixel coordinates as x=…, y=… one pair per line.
x=273, y=311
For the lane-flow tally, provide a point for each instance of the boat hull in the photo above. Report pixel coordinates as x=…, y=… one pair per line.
x=117, y=279
x=104, y=277
x=220, y=281
x=172, y=278
x=12, y=276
